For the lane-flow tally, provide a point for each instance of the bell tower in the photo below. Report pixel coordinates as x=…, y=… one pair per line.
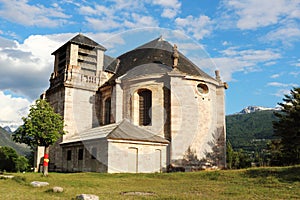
x=78, y=72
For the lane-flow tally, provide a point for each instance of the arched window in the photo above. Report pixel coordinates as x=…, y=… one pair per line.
x=145, y=104
x=107, y=111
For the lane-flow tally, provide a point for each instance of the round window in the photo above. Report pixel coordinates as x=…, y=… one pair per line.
x=202, y=88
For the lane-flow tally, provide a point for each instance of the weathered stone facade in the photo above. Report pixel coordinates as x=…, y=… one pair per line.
x=139, y=112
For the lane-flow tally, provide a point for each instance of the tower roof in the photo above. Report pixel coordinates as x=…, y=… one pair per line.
x=81, y=39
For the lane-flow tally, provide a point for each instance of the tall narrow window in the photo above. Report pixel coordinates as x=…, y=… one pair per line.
x=145, y=104
x=107, y=110
x=69, y=155
x=94, y=153
x=80, y=154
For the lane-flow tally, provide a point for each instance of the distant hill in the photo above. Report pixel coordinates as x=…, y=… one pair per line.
x=250, y=131
x=6, y=140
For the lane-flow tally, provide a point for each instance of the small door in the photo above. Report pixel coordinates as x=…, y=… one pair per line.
x=157, y=161
x=132, y=160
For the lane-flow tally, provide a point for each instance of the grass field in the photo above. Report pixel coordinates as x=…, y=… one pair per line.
x=254, y=183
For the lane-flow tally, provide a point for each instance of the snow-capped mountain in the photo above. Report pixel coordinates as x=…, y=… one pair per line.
x=10, y=126
x=251, y=109
x=7, y=129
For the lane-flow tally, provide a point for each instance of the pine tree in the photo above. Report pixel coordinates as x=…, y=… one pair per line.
x=287, y=128
x=42, y=127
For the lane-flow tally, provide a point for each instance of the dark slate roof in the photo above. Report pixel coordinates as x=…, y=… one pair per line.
x=147, y=69
x=81, y=39
x=117, y=131
x=155, y=51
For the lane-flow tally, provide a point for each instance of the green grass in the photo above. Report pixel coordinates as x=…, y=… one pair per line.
x=254, y=183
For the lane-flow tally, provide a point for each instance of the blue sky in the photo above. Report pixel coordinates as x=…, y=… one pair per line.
x=254, y=43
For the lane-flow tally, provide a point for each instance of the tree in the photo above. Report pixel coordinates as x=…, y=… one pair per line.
x=10, y=161
x=275, y=149
x=229, y=155
x=287, y=128
x=42, y=127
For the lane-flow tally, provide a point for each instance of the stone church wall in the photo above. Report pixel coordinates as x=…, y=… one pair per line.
x=80, y=110
x=194, y=118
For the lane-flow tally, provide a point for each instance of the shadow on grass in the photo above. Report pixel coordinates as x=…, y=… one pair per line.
x=283, y=174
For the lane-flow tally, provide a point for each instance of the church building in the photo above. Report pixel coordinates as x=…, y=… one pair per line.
x=148, y=110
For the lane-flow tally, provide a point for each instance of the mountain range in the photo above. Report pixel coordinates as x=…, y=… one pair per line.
x=6, y=140
x=251, y=109
x=251, y=129
x=9, y=126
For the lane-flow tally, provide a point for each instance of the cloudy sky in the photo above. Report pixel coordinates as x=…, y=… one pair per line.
x=254, y=43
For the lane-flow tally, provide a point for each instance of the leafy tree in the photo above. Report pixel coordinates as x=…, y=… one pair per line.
x=241, y=160
x=22, y=164
x=229, y=155
x=237, y=159
x=10, y=161
x=287, y=128
x=42, y=127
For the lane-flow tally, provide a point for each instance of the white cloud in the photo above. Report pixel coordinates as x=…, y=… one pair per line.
x=198, y=27
x=296, y=63
x=127, y=5
x=278, y=84
x=270, y=63
x=141, y=21
x=225, y=43
x=286, y=34
x=275, y=76
x=169, y=13
x=170, y=7
x=26, y=67
x=295, y=74
x=119, y=15
x=21, y=12
x=234, y=60
x=282, y=92
x=252, y=54
x=12, y=109
x=96, y=10
x=253, y=14
x=168, y=3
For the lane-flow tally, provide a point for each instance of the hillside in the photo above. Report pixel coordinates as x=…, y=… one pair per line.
x=250, y=131
x=6, y=140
